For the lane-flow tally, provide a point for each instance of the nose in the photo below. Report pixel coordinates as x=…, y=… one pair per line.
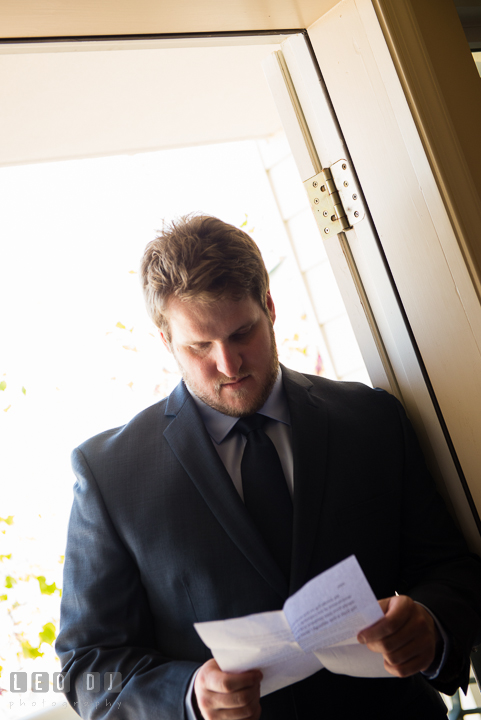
x=228, y=360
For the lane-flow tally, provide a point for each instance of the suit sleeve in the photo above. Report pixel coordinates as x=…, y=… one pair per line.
x=106, y=622
x=437, y=568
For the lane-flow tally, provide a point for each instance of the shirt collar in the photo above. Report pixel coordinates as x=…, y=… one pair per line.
x=219, y=425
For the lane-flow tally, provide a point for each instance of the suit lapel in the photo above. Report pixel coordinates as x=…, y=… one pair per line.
x=192, y=446
x=309, y=446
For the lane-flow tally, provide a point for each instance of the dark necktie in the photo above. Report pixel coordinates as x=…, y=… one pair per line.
x=266, y=495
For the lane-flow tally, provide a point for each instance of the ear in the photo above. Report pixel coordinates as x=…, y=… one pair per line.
x=164, y=340
x=270, y=307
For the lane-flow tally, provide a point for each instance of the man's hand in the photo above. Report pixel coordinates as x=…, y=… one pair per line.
x=227, y=696
x=406, y=636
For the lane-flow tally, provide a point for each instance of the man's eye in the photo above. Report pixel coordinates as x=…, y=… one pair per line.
x=242, y=334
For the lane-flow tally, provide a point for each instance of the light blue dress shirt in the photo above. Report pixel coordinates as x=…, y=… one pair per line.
x=231, y=449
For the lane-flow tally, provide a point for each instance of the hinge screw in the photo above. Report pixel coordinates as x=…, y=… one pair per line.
x=323, y=188
x=333, y=218
x=326, y=230
x=346, y=183
x=356, y=214
x=314, y=184
x=316, y=201
x=325, y=213
x=344, y=166
x=354, y=197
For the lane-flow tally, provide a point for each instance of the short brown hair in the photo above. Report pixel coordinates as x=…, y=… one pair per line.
x=203, y=258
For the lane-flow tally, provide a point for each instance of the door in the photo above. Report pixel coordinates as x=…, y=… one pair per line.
x=380, y=321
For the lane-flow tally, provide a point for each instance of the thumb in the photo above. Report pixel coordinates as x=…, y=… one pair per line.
x=384, y=604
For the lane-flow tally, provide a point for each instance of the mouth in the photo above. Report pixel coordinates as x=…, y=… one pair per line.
x=235, y=384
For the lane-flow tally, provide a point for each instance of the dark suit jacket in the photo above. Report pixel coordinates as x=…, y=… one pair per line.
x=159, y=539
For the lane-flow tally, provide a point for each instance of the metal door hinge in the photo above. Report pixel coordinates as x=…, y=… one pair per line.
x=335, y=198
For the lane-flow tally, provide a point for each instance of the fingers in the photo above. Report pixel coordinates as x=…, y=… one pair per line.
x=406, y=636
x=397, y=612
x=227, y=696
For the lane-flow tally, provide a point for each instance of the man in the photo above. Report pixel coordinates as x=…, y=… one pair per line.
x=165, y=530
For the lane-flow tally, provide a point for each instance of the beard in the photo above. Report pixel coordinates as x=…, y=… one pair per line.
x=248, y=401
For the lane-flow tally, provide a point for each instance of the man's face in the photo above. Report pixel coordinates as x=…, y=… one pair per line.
x=225, y=351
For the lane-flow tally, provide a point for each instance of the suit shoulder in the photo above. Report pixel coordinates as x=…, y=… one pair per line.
x=344, y=396
x=342, y=388
x=354, y=393
x=150, y=421
x=339, y=387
